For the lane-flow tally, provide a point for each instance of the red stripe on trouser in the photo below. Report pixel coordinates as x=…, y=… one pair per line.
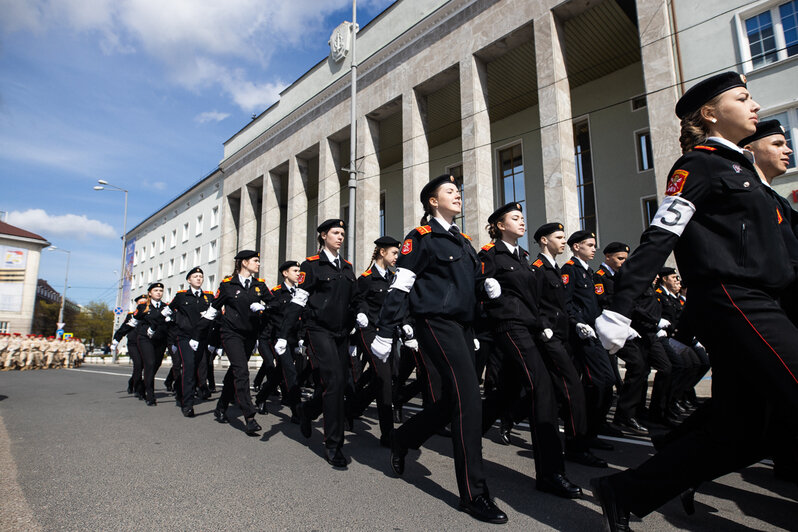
x=567, y=395
x=759, y=334
x=459, y=402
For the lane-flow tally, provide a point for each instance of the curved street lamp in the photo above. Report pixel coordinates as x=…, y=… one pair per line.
x=66, y=281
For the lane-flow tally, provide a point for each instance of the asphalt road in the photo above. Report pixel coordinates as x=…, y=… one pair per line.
x=78, y=453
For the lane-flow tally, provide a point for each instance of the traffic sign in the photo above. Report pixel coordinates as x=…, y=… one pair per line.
x=60, y=325
x=118, y=311
x=59, y=333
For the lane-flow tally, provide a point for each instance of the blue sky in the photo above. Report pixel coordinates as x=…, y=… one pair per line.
x=141, y=93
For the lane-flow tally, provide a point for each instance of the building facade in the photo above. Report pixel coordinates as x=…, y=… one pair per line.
x=20, y=253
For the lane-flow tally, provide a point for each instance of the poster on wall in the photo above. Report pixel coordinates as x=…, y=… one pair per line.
x=12, y=277
x=13, y=258
x=127, y=279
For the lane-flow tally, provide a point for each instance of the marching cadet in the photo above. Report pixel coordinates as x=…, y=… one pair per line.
x=151, y=335
x=13, y=353
x=554, y=313
x=439, y=278
x=329, y=305
x=187, y=307
x=5, y=339
x=50, y=352
x=68, y=351
x=583, y=308
x=518, y=331
x=244, y=298
x=80, y=352
x=135, y=384
x=724, y=225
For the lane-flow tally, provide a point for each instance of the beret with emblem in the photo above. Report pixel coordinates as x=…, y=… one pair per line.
x=705, y=90
x=287, y=264
x=154, y=285
x=666, y=271
x=194, y=270
x=616, y=247
x=387, y=242
x=764, y=129
x=326, y=225
x=245, y=254
x=547, y=229
x=430, y=188
x=142, y=296
x=504, y=209
x=580, y=236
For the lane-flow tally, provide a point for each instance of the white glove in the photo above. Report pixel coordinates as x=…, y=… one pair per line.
x=167, y=319
x=352, y=351
x=255, y=349
x=219, y=351
x=613, y=330
x=280, y=346
x=411, y=344
x=585, y=331
x=476, y=344
x=381, y=347
x=662, y=333
x=700, y=346
x=166, y=312
x=301, y=343
x=114, y=344
x=663, y=323
x=193, y=344
x=150, y=332
x=257, y=306
x=633, y=334
x=408, y=330
x=174, y=349
x=212, y=348
x=362, y=320
x=492, y=288
x=546, y=334
x=133, y=322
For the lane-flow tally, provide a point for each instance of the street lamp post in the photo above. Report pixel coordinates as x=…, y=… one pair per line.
x=105, y=185
x=66, y=282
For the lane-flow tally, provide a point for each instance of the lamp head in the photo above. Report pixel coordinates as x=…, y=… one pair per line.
x=102, y=181
x=97, y=187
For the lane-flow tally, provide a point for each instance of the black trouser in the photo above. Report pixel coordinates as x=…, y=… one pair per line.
x=152, y=351
x=450, y=347
x=756, y=350
x=267, y=356
x=598, y=378
x=657, y=359
x=379, y=386
x=236, y=381
x=285, y=373
x=329, y=354
x=635, y=381
x=209, y=376
x=204, y=363
x=523, y=366
x=569, y=390
x=135, y=355
x=189, y=361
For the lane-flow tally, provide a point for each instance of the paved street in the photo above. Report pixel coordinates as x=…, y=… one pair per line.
x=78, y=453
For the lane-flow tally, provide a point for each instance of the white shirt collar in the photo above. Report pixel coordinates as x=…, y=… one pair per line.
x=511, y=247
x=604, y=264
x=288, y=284
x=748, y=154
x=241, y=279
x=330, y=256
x=665, y=290
x=382, y=272
x=551, y=260
x=446, y=225
x=580, y=261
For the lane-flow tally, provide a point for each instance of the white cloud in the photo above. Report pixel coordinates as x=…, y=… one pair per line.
x=65, y=225
x=210, y=116
x=155, y=185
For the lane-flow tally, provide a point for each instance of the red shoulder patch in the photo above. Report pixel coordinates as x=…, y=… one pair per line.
x=301, y=278
x=599, y=289
x=407, y=247
x=601, y=272
x=565, y=278
x=465, y=235
x=706, y=148
x=424, y=229
x=538, y=263
x=676, y=182
x=314, y=257
x=486, y=247
x=181, y=291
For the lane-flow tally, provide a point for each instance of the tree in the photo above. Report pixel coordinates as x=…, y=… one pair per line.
x=95, y=323
x=45, y=317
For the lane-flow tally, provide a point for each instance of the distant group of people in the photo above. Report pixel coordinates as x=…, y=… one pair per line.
x=38, y=352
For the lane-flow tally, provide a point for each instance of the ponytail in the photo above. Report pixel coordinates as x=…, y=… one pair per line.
x=694, y=130
x=237, y=268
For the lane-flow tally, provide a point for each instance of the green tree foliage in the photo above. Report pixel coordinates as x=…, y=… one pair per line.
x=95, y=323
x=45, y=317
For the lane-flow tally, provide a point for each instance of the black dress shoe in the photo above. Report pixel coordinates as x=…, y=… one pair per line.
x=350, y=423
x=188, y=412
x=220, y=414
x=398, y=453
x=151, y=402
x=212, y=389
x=585, y=458
x=598, y=443
x=504, y=433
x=445, y=432
x=688, y=500
x=262, y=408
x=204, y=393
x=616, y=518
x=130, y=387
x=304, y=421
x=559, y=485
x=252, y=426
x=335, y=457
x=169, y=387
x=482, y=508
x=631, y=425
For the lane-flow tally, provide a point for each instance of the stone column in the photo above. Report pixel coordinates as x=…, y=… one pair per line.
x=415, y=157
x=297, y=217
x=659, y=72
x=367, y=213
x=477, y=159
x=270, y=235
x=229, y=231
x=329, y=184
x=556, y=126
x=247, y=223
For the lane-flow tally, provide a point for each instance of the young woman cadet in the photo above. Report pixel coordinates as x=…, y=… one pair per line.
x=151, y=331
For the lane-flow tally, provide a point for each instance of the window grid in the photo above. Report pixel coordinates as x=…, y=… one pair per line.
x=761, y=39
x=511, y=172
x=789, y=25
x=584, y=177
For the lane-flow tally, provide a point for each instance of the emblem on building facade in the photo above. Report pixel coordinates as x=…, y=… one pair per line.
x=339, y=41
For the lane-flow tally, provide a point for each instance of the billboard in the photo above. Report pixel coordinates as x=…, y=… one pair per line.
x=127, y=279
x=13, y=261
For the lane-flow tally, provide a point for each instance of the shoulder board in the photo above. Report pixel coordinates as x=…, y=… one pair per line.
x=207, y=292
x=538, y=263
x=570, y=263
x=276, y=288
x=465, y=235
x=707, y=148
x=601, y=272
x=181, y=291
x=424, y=229
x=260, y=280
x=226, y=279
x=366, y=273
x=658, y=290
x=314, y=257
x=486, y=247
x=346, y=261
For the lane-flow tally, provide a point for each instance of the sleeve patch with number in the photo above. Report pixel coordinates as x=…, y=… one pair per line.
x=407, y=247
x=676, y=183
x=674, y=214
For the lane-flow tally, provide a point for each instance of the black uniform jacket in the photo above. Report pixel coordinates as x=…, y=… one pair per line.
x=126, y=329
x=275, y=314
x=449, y=279
x=647, y=312
x=188, y=309
x=580, y=293
x=672, y=307
x=236, y=300
x=334, y=300
x=553, y=309
x=604, y=285
x=373, y=288
x=150, y=317
x=732, y=237
x=518, y=304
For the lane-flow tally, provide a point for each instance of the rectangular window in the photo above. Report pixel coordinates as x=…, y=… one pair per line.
x=141, y=279
x=182, y=286
x=650, y=207
x=173, y=239
x=212, y=251
x=511, y=173
x=214, y=217
x=212, y=282
x=3, y=326
x=183, y=262
x=160, y=271
x=789, y=121
x=149, y=276
x=162, y=247
x=789, y=24
x=198, y=230
x=761, y=40
x=382, y=213
x=197, y=255
x=185, y=232
x=639, y=102
x=770, y=35
x=135, y=257
x=645, y=156
x=457, y=173
x=171, y=269
x=584, y=177
x=168, y=293
x=152, y=249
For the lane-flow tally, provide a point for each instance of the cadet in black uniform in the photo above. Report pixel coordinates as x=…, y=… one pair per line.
x=243, y=297
x=151, y=333
x=187, y=308
x=127, y=329
x=328, y=302
x=518, y=330
x=555, y=351
x=438, y=280
x=724, y=225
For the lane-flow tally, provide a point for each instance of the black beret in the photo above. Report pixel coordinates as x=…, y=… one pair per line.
x=430, y=188
x=329, y=224
x=287, y=264
x=504, y=209
x=154, y=285
x=666, y=271
x=142, y=296
x=705, y=90
x=387, y=242
x=615, y=247
x=547, y=229
x=245, y=254
x=580, y=236
x=194, y=270
x=764, y=129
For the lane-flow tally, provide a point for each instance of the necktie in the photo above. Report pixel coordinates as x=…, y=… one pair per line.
x=246, y=284
x=197, y=293
x=293, y=291
x=515, y=254
x=454, y=230
x=337, y=263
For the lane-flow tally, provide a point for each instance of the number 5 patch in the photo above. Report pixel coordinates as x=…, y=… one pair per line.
x=407, y=247
x=673, y=214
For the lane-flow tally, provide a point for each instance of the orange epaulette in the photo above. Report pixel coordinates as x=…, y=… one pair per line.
x=207, y=292
x=314, y=257
x=181, y=291
x=601, y=272
x=538, y=263
x=707, y=148
x=570, y=262
x=366, y=273
x=226, y=279
x=261, y=280
x=346, y=261
x=486, y=247
x=276, y=288
x=658, y=290
x=465, y=235
x=424, y=229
